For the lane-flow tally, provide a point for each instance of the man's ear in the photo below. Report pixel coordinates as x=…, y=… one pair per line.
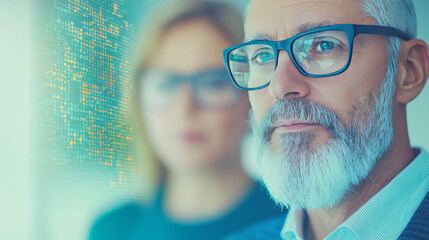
x=412, y=69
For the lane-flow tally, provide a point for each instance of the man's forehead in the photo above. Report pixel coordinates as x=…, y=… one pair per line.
x=285, y=18
x=256, y=4
x=297, y=29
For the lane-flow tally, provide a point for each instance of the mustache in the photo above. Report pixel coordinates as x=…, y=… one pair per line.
x=301, y=110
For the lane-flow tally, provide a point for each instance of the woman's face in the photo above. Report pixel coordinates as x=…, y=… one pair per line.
x=196, y=121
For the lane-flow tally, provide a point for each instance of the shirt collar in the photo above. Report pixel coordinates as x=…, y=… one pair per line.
x=293, y=229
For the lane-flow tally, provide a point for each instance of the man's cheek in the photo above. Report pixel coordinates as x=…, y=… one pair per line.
x=258, y=107
x=258, y=113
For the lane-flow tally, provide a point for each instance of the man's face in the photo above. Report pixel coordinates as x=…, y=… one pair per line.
x=328, y=129
x=279, y=19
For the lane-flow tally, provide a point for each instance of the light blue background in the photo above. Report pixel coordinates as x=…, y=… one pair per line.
x=418, y=110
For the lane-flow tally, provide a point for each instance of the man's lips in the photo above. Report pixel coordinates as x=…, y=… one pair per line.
x=293, y=125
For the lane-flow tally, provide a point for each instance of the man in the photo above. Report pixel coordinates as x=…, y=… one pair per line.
x=328, y=87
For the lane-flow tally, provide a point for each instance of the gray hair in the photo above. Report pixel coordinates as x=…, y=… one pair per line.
x=399, y=14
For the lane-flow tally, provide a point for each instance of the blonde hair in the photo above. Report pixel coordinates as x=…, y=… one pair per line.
x=221, y=15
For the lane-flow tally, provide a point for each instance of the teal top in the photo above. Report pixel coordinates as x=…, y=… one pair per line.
x=134, y=221
x=385, y=215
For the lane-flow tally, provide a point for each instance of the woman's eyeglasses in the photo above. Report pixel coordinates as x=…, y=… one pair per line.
x=210, y=89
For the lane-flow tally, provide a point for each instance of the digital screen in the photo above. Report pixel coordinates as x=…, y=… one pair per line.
x=86, y=85
x=84, y=136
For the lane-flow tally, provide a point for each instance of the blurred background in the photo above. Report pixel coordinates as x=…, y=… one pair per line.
x=67, y=140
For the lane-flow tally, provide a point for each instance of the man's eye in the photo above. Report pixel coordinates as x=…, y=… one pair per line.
x=263, y=57
x=326, y=45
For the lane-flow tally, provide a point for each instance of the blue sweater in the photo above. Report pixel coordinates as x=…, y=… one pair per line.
x=134, y=221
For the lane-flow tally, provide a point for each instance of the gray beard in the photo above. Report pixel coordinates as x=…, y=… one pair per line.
x=300, y=176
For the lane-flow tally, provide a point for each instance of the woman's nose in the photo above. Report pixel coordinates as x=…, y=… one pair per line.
x=184, y=103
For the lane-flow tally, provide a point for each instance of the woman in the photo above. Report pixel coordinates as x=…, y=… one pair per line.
x=195, y=122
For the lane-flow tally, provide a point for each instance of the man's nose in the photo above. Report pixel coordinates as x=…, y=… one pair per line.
x=287, y=81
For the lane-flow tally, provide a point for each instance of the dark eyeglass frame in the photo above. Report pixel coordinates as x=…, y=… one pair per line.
x=350, y=29
x=192, y=80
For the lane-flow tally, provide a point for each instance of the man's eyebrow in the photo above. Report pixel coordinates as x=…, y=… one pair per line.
x=258, y=37
x=301, y=28
x=311, y=25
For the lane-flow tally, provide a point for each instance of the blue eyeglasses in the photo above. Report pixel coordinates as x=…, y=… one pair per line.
x=210, y=89
x=320, y=52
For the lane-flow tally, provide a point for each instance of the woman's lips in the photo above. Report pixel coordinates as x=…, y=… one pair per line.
x=192, y=137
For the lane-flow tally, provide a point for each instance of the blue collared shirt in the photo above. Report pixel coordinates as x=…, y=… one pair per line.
x=384, y=216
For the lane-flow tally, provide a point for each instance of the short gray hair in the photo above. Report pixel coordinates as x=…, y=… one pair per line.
x=399, y=14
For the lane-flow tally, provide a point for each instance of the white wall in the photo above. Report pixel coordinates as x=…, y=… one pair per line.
x=16, y=168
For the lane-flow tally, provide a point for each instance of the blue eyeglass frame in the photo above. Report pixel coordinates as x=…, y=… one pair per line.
x=350, y=29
